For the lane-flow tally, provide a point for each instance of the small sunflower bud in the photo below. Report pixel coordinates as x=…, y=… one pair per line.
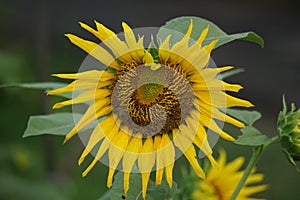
x=289, y=133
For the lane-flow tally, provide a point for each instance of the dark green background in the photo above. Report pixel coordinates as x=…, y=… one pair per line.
x=32, y=46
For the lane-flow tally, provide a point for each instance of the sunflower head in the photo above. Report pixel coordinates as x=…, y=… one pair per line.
x=289, y=132
x=221, y=181
x=149, y=106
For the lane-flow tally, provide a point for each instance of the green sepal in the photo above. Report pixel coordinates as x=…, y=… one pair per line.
x=111, y=70
x=288, y=133
x=153, y=50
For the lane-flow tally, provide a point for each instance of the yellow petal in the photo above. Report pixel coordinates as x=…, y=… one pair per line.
x=169, y=174
x=109, y=135
x=165, y=154
x=212, y=160
x=200, y=139
x=109, y=38
x=115, y=153
x=136, y=48
x=207, y=74
x=181, y=47
x=129, y=36
x=94, y=112
x=126, y=182
x=254, y=178
x=203, y=36
x=186, y=147
x=216, y=85
x=221, y=99
x=81, y=85
x=148, y=59
x=94, y=50
x=145, y=180
x=89, y=95
x=159, y=161
x=95, y=137
x=131, y=153
x=102, y=149
x=146, y=158
x=164, y=50
x=106, y=125
x=190, y=28
x=212, y=125
x=208, y=48
x=130, y=157
x=159, y=176
x=234, y=165
x=110, y=176
x=212, y=112
x=88, y=75
x=248, y=191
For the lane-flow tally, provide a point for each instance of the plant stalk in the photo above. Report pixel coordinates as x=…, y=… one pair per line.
x=257, y=152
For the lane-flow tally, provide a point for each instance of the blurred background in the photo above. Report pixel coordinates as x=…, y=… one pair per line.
x=32, y=46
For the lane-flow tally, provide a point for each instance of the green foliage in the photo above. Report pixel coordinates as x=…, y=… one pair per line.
x=37, y=85
x=250, y=135
x=162, y=191
x=55, y=124
x=40, y=86
x=230, y=73
x=248, y=117
x=188, y=184
x=181, y=24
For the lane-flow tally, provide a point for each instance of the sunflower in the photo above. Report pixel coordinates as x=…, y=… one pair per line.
x=151, y=104
x=221, y=182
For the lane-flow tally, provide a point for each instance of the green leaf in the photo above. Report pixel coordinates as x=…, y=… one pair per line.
x=41, y=86
x=181, y=25
x=230, y=73
x=248, y=117
x=54, y=124
x=162, y=192
x=38, y=85
x=251, y=137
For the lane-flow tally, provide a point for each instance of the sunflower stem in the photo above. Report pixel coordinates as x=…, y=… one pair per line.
x=255, y=155
x=257, y=152
x=272, y=141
